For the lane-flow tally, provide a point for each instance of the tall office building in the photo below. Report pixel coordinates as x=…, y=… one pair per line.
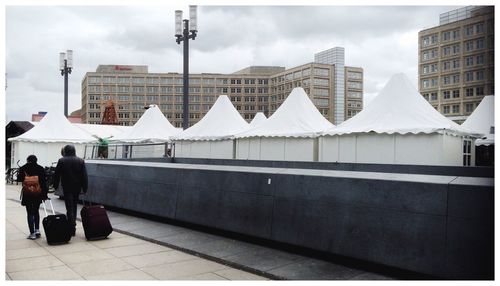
x=335, y=57
x=251, y=90
x=456, y=61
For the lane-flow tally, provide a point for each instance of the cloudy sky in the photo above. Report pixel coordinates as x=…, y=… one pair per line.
x=383, y=40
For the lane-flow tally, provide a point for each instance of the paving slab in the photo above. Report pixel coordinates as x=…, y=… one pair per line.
x=136, y=249
x=119, y=257
x=182, y=269
x=132, y=274
x=62, y=272
x=158, y=258
x=32, y=263
x=235, y=274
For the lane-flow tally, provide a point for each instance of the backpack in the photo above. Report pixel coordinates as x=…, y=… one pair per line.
x=31, y=186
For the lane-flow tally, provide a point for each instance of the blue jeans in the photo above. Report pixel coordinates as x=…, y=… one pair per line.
x=33, y=216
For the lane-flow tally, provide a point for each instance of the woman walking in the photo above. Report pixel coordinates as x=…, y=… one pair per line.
x=32, y=201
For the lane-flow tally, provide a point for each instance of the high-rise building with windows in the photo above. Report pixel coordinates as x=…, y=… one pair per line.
x=251, y=90
x=456, y=61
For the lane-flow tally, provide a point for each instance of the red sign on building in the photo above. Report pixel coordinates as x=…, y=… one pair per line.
x=122, y=68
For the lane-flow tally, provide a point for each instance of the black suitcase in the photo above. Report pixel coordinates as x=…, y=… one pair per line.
x=95, y=222
x=57, y=228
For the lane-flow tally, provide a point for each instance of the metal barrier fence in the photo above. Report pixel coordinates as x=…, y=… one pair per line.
x=129, y=150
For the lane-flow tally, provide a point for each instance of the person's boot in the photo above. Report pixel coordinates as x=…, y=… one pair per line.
x=37, y=233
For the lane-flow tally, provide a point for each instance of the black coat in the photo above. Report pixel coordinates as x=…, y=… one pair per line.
x=33, y=169
x=71, y=172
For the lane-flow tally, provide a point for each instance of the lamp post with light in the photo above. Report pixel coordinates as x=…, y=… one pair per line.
x=65, y=65
x=183, y=35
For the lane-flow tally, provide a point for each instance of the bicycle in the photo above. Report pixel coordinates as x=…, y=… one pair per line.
x=11, y=174
x=49, y=177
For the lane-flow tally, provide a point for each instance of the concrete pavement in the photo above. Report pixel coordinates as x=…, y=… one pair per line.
x=120, y=257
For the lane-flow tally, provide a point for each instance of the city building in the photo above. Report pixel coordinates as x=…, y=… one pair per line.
x=251, y=90
x=74, y=117
x=456, y=61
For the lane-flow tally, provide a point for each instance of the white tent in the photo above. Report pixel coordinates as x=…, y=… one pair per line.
x=258, y=119
x=398, y=127
x=212, y=136
x=482, y=120
x=46, y=139
x=289, y=134
x=102, y=130
x=152, y=127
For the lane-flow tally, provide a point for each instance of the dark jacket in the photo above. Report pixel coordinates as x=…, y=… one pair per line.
x=33, y=169
x=71, y=172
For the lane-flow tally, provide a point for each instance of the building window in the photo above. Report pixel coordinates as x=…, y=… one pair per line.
x=456, y=34
x=456, y=78
x=434, y=81
x=479, y=28
x=425, y=55
x=469, y=76
x=325, y=82
x=434, y=39
x=469, y=30
x=469, y=61
x=446, y=51
x=479, y=90
x=456, y=108
x=469, y=46
x=456, y=49
x=426, y=41
x=469, y=92
x=425, y=83
x=446, y=65
x=467, y=152
x=456, y=63
x=479, y=59
x=446, y=36
x=446, y=80
x=480, y=44
x=320, y=72
x=446, y=109
x=480, y=75
x=321, y=102
x=354, y=75
x=93, y=79
x=456, y=93
x=434, y=96
x=469, y=107
x=446, y=94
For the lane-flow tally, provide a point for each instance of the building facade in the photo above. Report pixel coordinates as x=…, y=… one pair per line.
x=251, y=90
x=456, y=61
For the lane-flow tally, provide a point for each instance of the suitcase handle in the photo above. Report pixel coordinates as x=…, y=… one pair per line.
x=45, y=210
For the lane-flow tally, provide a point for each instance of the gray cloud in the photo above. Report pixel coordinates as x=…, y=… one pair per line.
x=380, y=39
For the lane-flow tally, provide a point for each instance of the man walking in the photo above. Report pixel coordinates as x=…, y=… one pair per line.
x=70, y=170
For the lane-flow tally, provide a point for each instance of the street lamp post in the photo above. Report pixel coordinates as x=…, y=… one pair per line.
x=183, y=35
x=65, y=65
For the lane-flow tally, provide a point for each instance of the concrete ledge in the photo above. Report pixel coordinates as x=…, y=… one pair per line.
x=437, y=225
x=488, y=172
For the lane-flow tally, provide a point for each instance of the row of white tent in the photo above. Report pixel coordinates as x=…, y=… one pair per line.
x=398, y=127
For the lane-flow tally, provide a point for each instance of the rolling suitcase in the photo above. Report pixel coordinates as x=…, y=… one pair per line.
x=57, y=228
x=95, y=222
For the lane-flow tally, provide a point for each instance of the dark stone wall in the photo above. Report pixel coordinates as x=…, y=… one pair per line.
x=437, y=225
